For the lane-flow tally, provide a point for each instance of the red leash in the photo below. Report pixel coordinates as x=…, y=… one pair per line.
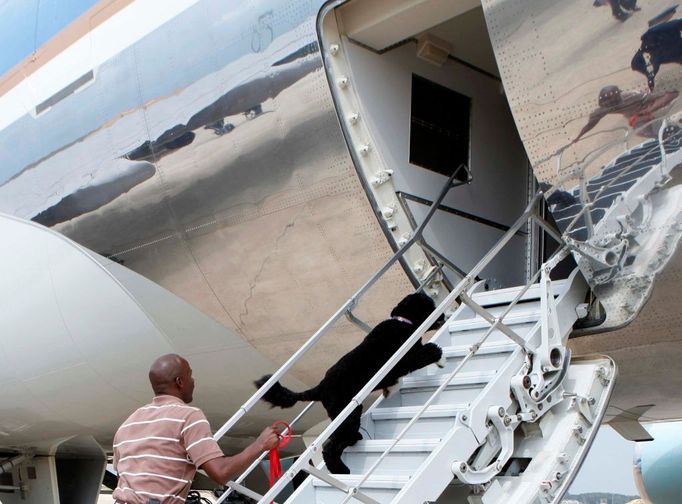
x=275, y=464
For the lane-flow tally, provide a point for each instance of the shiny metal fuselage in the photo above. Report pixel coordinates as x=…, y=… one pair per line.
x=264, y=227
x=560, y=62
x=205, y=154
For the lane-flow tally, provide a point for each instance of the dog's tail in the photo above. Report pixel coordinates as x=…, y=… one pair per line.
x=282, y=396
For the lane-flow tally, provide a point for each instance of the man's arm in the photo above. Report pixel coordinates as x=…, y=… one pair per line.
x=223, y=469
x=594, y=119
x=657, y=102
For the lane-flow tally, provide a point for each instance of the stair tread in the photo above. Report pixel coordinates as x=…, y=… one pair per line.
x=437, y=380
x=509, y=293
x=404, y=445
x=480, y=323
x=380, y=481
x=403, y=412
x=409, y=472
x=485, y=349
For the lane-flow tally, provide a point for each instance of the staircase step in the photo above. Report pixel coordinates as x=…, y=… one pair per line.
x=405, y=457
x=379, y=488
x=463, y=388
x=529, y=307
x=489, y=356
x=506, y=296
x=407, y=412
x=461, y=380
x=436, y=420
x=383, y=482
x=404, y=445
x=472, y=332
x=514, y=318
x=485, y=349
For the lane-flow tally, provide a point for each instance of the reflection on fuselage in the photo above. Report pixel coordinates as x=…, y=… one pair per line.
x=600, y=184
x=139, y=166
x=244, y=99
x=91, y=197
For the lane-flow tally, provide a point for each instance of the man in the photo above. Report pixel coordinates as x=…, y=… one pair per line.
x=661, y=44
x=620, y=9
x=638, y=107
x=159, y=447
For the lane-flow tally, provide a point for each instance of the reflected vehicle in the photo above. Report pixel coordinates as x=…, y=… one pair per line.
x=244, y=99
x=220, y=127
x=98, y=192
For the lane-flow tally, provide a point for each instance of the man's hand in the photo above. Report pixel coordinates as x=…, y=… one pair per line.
x=268, y=439
x=222, y=469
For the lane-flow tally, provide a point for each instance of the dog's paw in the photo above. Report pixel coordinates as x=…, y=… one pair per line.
x=441, y=362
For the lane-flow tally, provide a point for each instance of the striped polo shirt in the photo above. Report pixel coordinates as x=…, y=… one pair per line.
x=158, y=449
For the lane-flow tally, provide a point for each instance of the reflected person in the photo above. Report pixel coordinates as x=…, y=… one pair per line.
x=620, y=9
x=638, y=107
x=661, y=44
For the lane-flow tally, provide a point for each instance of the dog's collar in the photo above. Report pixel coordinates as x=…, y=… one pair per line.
x=403, y=319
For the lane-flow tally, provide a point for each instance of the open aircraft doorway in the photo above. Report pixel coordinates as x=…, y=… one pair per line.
x=418, y=94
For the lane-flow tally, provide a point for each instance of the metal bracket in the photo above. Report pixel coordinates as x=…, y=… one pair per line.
x=550, y=360
x=604, y=260
x=504, y=427
x=603, y=375
x=536, y=399
x=550, y=354
x=584, y=405
x=628, y=221
x=362, y=325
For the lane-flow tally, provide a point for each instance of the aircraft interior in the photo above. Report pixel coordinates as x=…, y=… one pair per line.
x=418, y=92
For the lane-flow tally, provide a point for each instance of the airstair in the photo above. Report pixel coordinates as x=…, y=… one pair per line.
x=507, y=419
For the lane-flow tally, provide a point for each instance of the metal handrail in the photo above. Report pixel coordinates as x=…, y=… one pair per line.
x=587, y=202
x=406, y=346
x=255, y=463
x=350, y=303
x=345, y=309
x=472, y=352
x=496, y=322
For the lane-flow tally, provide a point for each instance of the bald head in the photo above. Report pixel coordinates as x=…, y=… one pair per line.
x=172, y=375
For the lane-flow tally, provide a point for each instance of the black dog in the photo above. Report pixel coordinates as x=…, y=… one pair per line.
x=345, y=378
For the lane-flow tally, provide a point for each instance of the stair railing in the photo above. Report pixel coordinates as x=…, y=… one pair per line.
x=302, y=463
x=345, y=310
x=588, y=201
x=472, y=352
x=496, y=323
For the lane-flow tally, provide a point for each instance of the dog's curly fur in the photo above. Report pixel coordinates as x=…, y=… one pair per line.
x=345, y=378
